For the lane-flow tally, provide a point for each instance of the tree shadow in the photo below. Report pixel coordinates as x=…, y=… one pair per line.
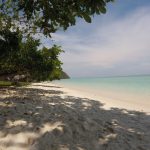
x=49, y=86
x=38, y=119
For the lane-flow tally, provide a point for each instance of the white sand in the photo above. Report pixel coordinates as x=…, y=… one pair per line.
x=44, y=116
x=129, y=102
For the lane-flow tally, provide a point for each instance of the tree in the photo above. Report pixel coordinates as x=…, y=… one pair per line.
x=41, y=64
x=47, y=16
x=8, y=42
x=22, y=56
x=51, y=62
x=9, y=46
x=19, y=19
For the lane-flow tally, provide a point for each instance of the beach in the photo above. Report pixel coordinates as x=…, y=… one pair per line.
x=110, y=101
x=46, y=116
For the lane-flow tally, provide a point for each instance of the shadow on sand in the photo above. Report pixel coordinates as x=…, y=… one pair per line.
x=48, y=120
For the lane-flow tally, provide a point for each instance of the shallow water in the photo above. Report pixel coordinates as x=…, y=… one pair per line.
x=135, y=88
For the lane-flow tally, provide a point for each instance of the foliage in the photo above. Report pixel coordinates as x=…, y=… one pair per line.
x=40, y=64
x=50, y=58
x=9, y=46
x=19, y=19
x=5, y=83
x=9, y=42
x=8, y=83
x=24, y=57
x=47, y=16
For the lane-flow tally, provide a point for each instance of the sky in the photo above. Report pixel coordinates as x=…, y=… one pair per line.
x=114, y=44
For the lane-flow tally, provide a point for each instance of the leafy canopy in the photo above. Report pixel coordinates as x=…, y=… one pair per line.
x=20, y=18
x=8, y=42
x=22, y=56
x=47, y=16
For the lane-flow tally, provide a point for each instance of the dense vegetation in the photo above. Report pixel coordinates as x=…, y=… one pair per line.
x=23, y=57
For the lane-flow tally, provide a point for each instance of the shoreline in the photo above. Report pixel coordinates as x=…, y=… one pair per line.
x=109, y=102
x=45, y=116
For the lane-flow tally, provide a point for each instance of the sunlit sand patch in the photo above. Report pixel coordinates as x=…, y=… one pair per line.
x=6, y=104
x=63, y=147
x=39, y=107
x=79, y=148
x=19, y=140
x=51, y=103
x=86, y=105
x=49, y=127
x=24, y=139
x=49, y=95
x=131, y=130
x=106, y=138
x=10, y=123
x=68, y=104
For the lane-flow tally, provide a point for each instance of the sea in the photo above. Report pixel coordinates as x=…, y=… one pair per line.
x=133, y=88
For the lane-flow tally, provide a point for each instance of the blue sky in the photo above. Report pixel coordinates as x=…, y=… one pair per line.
x=117, y=43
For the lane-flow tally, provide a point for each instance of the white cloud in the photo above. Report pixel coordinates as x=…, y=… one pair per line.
x=114, y=47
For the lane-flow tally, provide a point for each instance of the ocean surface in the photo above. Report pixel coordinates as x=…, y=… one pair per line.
x=135, y=88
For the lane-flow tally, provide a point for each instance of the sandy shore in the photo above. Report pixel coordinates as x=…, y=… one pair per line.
x=44, y=116
x=110, y=98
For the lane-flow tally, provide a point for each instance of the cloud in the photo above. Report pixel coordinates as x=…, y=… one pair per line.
x=108, y=46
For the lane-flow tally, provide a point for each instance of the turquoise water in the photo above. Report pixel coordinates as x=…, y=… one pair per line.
x=115, y=87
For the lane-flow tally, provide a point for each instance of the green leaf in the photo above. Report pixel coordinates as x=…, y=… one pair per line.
x=87, y=18
x=103, y=10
